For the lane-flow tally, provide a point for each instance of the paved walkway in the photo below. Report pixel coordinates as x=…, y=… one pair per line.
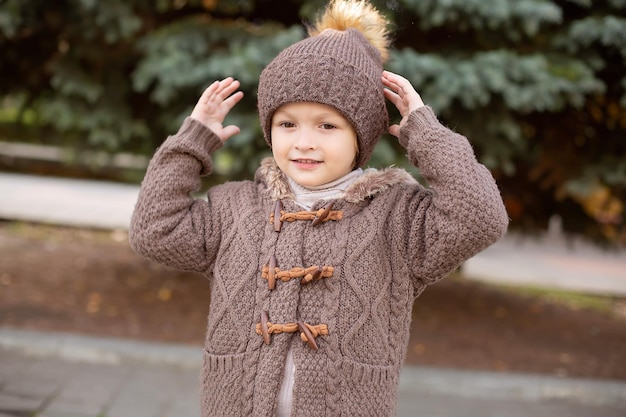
x=70, y=202
x=552, y=262
x=61, y=375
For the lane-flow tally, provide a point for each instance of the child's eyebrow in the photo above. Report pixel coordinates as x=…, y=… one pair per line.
x=328, y=116
x=282, y=113
x=320, y=116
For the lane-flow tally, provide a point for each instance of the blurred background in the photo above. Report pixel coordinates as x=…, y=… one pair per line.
x=89, y=89
x=538, y=86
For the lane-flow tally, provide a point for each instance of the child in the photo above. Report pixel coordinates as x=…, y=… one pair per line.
x=314, y=265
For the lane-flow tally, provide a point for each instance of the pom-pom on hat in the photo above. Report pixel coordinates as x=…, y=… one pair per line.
x=340, y=64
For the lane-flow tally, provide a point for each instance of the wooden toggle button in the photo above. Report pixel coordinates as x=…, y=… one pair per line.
x=310, y=340
x=264, y=330
x=312, y=277
x=271, y=273
x=318, y=219
x=277, y=223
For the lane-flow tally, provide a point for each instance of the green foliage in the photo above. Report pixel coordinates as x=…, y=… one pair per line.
x=193, y=51
x=606, y=31
x=517, y=17
x=524, y=83
x=539, y=86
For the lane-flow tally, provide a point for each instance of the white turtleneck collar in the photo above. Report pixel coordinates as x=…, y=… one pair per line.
x=308, y=196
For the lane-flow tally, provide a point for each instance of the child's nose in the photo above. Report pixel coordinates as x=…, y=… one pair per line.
x=305, y=140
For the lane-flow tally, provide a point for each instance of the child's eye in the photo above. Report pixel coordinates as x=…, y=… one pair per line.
x=286, y=124
x=328, y=126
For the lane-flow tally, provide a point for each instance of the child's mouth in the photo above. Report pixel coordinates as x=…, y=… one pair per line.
x=306, y=163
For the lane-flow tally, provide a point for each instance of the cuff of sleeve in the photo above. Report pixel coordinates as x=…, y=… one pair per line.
x=419, y=120
x=197, y=135
x=196, y=140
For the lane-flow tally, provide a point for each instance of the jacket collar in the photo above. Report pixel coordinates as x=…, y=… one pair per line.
x=368, y=185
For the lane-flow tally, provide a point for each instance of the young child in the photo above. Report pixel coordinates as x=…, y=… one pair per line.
x=314, y=265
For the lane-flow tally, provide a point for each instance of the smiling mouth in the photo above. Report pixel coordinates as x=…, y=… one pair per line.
x=306, y=161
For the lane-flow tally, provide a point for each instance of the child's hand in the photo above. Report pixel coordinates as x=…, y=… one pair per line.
x=215, y=103
x=402, y=94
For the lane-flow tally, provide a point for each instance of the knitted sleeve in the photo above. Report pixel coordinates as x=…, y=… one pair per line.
x=168, y=225
x=463, y=212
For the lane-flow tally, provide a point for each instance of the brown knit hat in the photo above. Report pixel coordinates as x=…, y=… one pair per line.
x=340, y=65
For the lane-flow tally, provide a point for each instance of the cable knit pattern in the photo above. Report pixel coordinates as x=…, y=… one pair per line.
x=394, y=238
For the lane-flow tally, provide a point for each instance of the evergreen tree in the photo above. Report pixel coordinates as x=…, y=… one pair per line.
x=539, y=86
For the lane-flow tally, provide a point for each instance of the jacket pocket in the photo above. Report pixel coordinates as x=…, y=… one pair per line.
x=222, y=385
x=369, y=390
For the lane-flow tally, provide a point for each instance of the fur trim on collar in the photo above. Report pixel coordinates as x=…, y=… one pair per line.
x=372, y=182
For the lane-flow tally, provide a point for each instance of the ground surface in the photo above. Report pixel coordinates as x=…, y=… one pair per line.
x=92, y=283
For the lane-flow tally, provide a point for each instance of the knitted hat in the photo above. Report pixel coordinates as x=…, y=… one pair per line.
x=339, y=65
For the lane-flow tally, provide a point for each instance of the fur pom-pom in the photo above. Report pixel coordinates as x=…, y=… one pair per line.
x=359, y=15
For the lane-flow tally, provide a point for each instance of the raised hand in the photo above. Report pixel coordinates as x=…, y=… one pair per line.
x=401, y=93
x=215, y=103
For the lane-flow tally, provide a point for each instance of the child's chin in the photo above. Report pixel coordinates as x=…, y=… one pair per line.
x=308, y=182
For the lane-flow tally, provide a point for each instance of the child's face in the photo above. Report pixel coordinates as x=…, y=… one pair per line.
x=312, y=143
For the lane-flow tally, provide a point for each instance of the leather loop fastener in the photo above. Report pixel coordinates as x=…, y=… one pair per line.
x=290, y=217
x=309, y=274
x=308, y=332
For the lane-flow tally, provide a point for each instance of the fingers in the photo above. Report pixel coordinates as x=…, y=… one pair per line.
x=395, y=130
x=215, y=102
x=229, y=131
x=233, y=99
x=394, y=98
x=401, y=93
x=397, y=83
x=218, y=99
x=227, y=87
x=395, y=90
x=220, y=91
x=208, y=92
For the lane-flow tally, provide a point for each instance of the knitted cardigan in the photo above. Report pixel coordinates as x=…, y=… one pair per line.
x=337, y=284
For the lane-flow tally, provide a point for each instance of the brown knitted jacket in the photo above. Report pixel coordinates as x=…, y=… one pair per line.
x=343, y=285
